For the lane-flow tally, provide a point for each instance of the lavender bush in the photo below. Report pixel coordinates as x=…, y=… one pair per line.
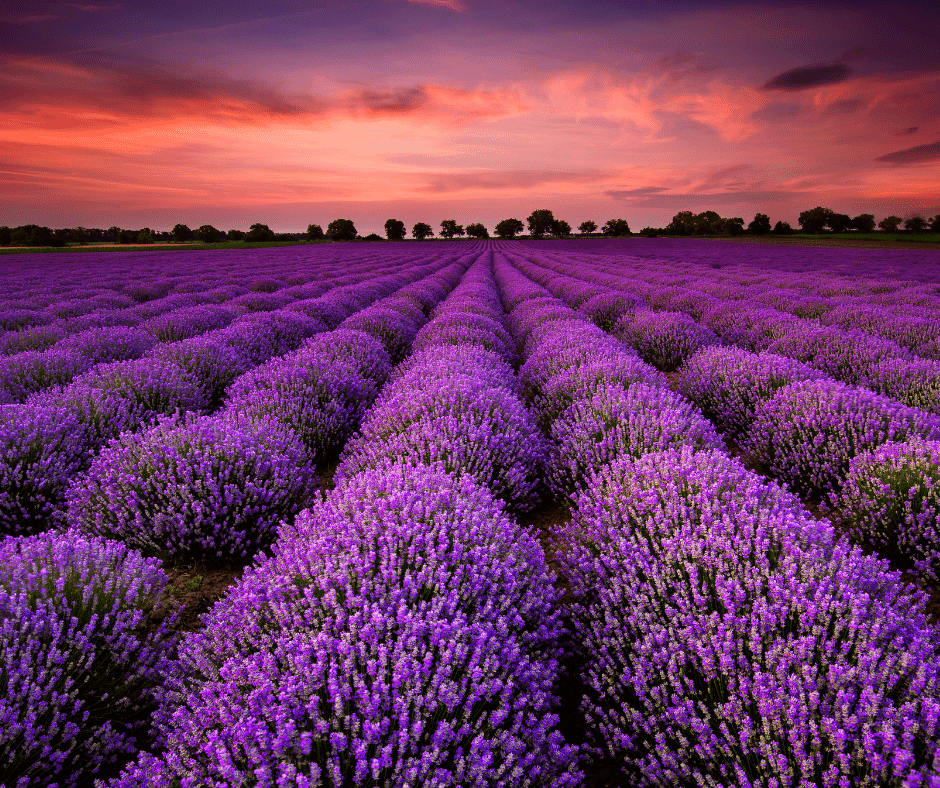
x=194, y=487
x=730, y=641
x=412, y=604
x=664, y=339
x=807, y=434
x=612, y=422
x=41, y=448
x=82, y=653
x=891, y=501
x=730, y=384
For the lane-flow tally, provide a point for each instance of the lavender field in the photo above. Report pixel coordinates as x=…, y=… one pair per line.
x=660, y=513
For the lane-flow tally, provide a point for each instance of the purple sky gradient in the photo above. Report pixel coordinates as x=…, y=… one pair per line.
x=288, y=113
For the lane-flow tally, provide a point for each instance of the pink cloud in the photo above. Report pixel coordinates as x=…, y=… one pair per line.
x=453, y=5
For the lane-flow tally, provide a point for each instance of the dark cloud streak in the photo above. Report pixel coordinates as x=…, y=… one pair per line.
x=808, y=77
x=919, y=154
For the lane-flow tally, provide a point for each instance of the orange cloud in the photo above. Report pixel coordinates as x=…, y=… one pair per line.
x=103, y=93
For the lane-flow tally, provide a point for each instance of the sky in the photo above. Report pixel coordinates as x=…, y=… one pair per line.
x=290, y=113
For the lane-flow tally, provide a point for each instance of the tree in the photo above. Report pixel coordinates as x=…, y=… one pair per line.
x=80, y=236
x=588, y=227
x=395, y=229
x=617, y=228
x=760, y=225
x=839, y=222
x=540, y=222
x=890, y=224
x=707, y=223
x=341, y=230
x=145, y=236
x=561, y=228
x=477, y=230
x=236, y=235
x=373, y=237
x=450, y=228
x=182, y=233
x=934, y=224
x=916, y=224
x=683, y=223
x=208, y=234
x=127, y=236
x=259, y=233
x=114, y=234
x=315, y=232
x=733, y=225
x=815, y=219
x=650, y=232
x=5, y=235
x=509, y=228
x=864, y=223
x=422, y=230
x=782, y=228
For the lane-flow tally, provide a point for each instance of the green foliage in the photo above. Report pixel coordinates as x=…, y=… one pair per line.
x=35, y=235
x=540, y=222
x=422, y=230
x=182, y=233
x=588, y=227
x=395, y=229
x=561, y=228
x=477, y=230
x=236, y=235
x=80, y=236
x=839, y=222
x=915, y=224
x=259, y=232
x=890, y=224
x=815, y=219
x=208, y=234
x=650, y=232
x=145, y=236
x=450, y=228
x=760, y=225
x=782, y=228
x=373, y=237
x=864, y=223
x=508, y=228
x=341, y=230
x=733, y=225
x=5, y=235
x=315, y=232
x=616, y=228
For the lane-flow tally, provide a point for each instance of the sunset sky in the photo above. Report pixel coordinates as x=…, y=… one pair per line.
x=289, y=113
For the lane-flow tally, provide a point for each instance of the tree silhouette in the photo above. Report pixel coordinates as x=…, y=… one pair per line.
x=588, y=227
x=540, y=222
x=395, y=229
x=616, y=228
x=509, y=228
x=422, y=230
x=341, y=230
x=477, y=230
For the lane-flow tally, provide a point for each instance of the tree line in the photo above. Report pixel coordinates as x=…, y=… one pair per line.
x=540, y=223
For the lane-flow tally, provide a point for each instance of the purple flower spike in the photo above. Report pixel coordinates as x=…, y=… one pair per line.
x=729, y=641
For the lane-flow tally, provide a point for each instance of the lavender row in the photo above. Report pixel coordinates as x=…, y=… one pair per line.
x=705, y=594
x=405, y=631
x=127, y=334
x=814, y=434
x=218, y=486
x=55, y=436
x=190, y=485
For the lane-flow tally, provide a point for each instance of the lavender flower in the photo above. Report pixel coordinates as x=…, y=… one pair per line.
x=664, y=339
x=891, y=501
x=200, y=486
x=82, y=652
x=404, y=633
x=611, y=422
x=729, y=641
x=807, y=434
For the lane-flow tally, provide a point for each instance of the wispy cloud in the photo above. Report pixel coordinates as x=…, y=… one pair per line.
x=111, y=91
x=919, y=154
x=807, y=77
x=453, y=5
